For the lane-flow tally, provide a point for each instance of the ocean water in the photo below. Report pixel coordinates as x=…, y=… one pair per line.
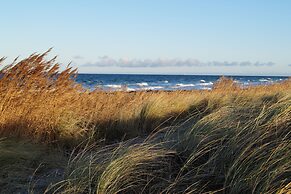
x=133, y=82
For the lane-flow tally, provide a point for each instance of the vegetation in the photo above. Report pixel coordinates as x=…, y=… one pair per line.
x=57, y=137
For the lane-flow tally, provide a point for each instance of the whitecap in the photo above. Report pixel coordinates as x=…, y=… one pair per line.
x=205, y=88
x=206, y=84
x=142, y=84
x=202, y=81
x=113, y=86
x=184, y=85
x=130, y=89
x=153, y=88
x=263, y=80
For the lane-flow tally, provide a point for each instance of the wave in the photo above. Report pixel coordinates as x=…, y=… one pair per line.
x=130, y=89
x=118, y=83
x=153, y=88
x=206, y=84
x=113, y=86
x=142, y=84
x=184, y=85
x=205, y=88
x=264, y=80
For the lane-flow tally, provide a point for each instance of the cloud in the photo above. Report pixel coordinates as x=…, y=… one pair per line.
x=289, y=65
x=106, y=61
x=78, y=57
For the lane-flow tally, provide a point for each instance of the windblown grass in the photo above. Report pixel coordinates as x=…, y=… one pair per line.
x=25, y=166
x=228, y=140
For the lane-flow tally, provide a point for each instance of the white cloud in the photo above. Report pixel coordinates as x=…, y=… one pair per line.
x=106, y=61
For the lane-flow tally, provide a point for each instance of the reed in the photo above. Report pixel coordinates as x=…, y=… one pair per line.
x=227, y=140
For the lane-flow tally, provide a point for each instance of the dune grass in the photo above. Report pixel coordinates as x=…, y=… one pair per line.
x=227, y=140
x=25, y=166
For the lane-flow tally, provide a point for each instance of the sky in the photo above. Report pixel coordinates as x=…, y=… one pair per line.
x=220, y=37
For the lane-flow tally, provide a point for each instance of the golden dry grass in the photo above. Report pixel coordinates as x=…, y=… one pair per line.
x=40, y=102
x=228, y=140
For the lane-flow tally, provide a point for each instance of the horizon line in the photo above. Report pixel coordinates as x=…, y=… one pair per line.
x=186, y=74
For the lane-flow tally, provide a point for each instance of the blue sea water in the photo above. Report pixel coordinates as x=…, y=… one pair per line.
x=134, y=82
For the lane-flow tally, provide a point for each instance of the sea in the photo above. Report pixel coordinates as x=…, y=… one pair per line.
x=136, y=82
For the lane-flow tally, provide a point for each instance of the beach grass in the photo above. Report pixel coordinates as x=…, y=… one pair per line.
x=227, y=140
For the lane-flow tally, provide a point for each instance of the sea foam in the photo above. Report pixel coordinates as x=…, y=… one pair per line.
x=142, y=84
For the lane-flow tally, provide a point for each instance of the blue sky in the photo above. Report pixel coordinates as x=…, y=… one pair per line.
x=244, y=37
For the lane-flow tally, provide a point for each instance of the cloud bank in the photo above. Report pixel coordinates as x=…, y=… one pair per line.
x=106, y=61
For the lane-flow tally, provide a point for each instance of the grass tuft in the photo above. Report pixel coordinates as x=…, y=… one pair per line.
x=227, y=140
